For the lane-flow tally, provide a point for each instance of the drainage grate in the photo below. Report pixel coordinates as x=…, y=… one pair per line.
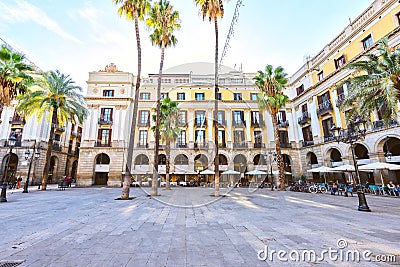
x=10, y=263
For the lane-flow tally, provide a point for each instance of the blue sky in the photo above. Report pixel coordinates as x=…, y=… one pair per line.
x=79, y=36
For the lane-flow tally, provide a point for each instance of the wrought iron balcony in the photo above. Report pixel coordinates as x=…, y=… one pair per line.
x=200, y=145
x=222, y=145
x=308, y=143
x=259, y=145
x=329, y=138
x=18, y=143
x=142, y=145
x=200, y=122
x=143, y=123
x=380, y=124
x=98, y=143
x=324, y=107
x=105, y=121
x=56, y=146
x=181, y=145
x=240, y=145
x=305, y=118
x=283, y=124
x=239, y=123
x=340, y=100
x=17, y=120
x=259, y=123
x=59, y=128
x=286, y=145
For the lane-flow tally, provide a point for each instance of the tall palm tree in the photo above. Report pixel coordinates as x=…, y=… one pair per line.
x=133, y=10
x=163, y=20
x=14, y=77
x=169, y=126
x=376, y=84
x=271, y=83
x=213, y=10
x=56, y=94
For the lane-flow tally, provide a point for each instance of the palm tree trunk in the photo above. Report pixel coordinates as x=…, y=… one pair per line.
x=167, y=163
x=216, y=160
x=281, y=177
x=46, y=168
x=157, y=131
x=128, y=175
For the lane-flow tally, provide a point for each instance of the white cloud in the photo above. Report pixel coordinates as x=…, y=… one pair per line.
x=24, y=12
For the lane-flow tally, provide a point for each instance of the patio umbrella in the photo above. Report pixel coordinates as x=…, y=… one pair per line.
x=207, y=172
x=345, y=168
x=322, y=169
x=277, y=172
x=255, y=172
x=380, y=166
x=229, y=172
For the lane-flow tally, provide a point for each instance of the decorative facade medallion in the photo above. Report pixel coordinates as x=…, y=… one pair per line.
x=122, y=91
x=95, y=90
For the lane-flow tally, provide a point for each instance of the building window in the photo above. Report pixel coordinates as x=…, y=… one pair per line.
x=326, y=126
x=182, y=117
x=304, y=108
x=143, y=138
x=253, y=96
x=300, y=89
x=238, y=117
x=104, y=136
x=238, y=137
x=219, y=96
x=144, y=117
x=256, y=118
x=200, y=137
x=200, y=118
x=199, y=96
x=340, y=62
x=307, y=134
x=320, y=75
x=182, y=138
x=281, y=116
x=367, y=42
x=145, y=96
x=108, y=93
x=397, y=19
x=221, y=138
x=258, y=137
x=221, y=117
x=237, y=96
x=106, y=114
x=283, y=137
x=164, y=95
x=181, y=96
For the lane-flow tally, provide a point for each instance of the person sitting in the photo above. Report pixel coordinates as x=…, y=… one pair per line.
x=334, y=188
x=350, y=189
x=396, y=190
x=390, y=186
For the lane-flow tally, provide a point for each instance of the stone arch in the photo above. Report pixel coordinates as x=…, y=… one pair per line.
x=259, y=160
x=181, y=159
x=200, y=162
x=287, y=166
x=102, y=167
x=74, y=169
x=311, y=158
x=223, y=160
x=162, y=159
x=9, y=166
x=334, y=155
x=53, y=169
x=142, y=159
x=391, y=145
x=361, y=151
x=240, y=163
x=381, y=142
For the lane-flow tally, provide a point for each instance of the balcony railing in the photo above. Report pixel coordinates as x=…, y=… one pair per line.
x=329, y=138
x=308, y=143
x=200, y=145
x=259, y=123
x=105, y=120
x=17, y=120
x=59, y=128
x=181, y=145
x=378, y=125
x=200, y=121
x=239, y=123
x=340, y=100
x=221, y=122
x=259, y=145
x=222, y=145
x=282, y=124
x=324, y=107
x=18, y=143
x=286, y=145
x=305, y=117
x=98, y=143
x=56, y=146
x=143, y=123
x=240, y=145
x=142, y=145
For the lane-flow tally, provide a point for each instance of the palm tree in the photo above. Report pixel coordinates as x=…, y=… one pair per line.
x=14, y=77
x=133, y=10
x=376, y=84
x=58, y=95
x=214, y=9
x=169, y=126
x=163, y=20
x=271, y=83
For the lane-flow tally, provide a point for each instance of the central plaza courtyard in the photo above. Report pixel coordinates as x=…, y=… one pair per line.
x=190, y=227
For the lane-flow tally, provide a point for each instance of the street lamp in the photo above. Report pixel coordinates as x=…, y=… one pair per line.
x=35, y=155
x=11, y=143
x=355, y=131
x=271, y=155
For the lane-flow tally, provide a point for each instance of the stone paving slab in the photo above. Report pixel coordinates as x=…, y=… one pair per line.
x=190, y=227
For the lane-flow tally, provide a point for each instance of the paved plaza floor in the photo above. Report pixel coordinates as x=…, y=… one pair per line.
x=190, y=227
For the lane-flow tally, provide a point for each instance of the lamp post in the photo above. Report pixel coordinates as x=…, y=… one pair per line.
x=30, y=157
x=355, y=131
x=271, y=158
x=11, y=143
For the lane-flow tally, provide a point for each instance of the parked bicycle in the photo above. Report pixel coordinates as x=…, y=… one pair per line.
x=317, y=188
